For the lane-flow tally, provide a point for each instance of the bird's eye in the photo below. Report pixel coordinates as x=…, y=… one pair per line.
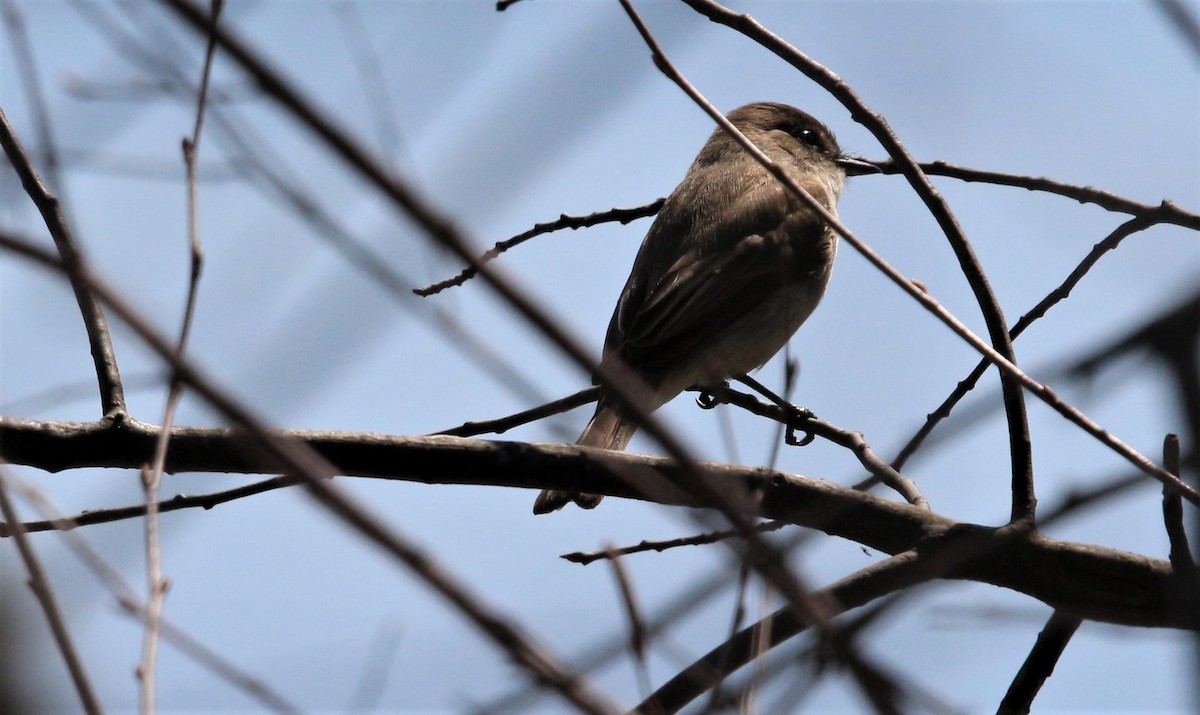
x=811, y=138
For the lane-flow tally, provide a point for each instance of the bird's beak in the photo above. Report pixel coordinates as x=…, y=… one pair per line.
x=854, y=166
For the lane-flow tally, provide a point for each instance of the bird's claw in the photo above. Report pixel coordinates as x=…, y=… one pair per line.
x=799, y=413
x=706, y=400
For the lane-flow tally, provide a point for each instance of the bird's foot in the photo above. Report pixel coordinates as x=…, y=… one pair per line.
x=799, y=414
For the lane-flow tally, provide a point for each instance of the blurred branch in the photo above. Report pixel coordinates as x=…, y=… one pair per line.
x=638, y=635
x=620, y=383
x=1183, y=19
x=40, y=585
x=128, y=601
x=624, y=216
x=298, y=460
x=30, y=78
x=108, y=377
x=1096, y=583
x=1180, y=555
x=898, y=572
x=1038, y=666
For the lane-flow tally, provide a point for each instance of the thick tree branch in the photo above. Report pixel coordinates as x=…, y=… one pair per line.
x=1089, y=581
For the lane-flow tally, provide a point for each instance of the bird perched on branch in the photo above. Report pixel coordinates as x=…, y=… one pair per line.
x=731, y=267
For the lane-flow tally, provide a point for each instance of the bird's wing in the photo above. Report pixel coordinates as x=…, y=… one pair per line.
x=726, y=275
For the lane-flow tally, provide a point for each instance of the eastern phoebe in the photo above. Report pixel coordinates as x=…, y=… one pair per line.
x=731, y=267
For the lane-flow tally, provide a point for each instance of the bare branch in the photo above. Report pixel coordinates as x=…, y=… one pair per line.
x=580, y=557
x=503, y=424
x=624, y=216
x=108, y=377
x=1165, y=212
x=788, y=415
x=1038, y=666
x=1060, y=293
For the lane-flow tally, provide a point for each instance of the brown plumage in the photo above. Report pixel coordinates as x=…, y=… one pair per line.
x=731, y=267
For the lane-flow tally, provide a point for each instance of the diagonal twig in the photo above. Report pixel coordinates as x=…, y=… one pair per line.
x=623, y=216
x=964, y=386
x=898, y=572
x=41, y=588
x=1024, y=500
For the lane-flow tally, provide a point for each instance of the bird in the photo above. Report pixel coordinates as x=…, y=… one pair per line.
x=733, y=264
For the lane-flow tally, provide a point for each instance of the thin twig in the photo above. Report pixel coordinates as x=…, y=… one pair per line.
x=40, y=585
x=1166, y=211
x=1039, y=664
x=854, y=441
x=637, y=624
x=157, y=586
x=152, y=478
x=503, y=424
x=624, y=216
x=108, y=377
x=585, y=558
x=1024, y=500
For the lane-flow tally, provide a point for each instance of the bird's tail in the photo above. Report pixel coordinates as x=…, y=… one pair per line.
x=608, y=429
